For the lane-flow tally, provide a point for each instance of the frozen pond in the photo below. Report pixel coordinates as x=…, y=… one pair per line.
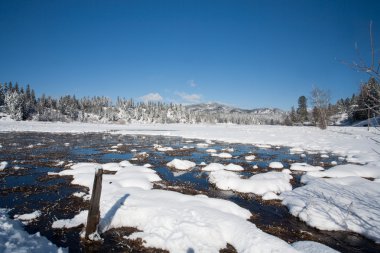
x=26, y=187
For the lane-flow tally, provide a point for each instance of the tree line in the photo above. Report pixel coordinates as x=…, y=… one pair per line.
x=361, y=106
x=22, y=104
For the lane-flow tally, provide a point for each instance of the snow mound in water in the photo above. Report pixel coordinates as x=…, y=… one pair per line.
x=276, y=165
x=181, y=164
x=259, y=184
x=222, y=155
x=219, y=166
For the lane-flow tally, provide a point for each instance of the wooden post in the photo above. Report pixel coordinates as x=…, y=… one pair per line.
x=94, y=212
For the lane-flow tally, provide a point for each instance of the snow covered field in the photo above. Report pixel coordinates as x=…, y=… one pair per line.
x=346, y=201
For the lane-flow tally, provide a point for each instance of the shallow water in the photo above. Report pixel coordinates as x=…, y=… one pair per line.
x=29, y=188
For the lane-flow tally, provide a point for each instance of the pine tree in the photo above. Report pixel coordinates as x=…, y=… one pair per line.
x=368, y=100
x=293, y=115
x=302, y=109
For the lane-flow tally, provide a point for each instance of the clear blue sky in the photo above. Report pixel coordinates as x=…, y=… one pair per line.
x=243, y=53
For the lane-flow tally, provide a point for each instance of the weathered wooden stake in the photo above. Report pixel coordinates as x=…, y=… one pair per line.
x=94, y=212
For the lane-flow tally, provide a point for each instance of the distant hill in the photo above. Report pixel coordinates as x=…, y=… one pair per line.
x=226, y=113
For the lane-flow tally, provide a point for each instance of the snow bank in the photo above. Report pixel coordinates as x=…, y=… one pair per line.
x=350, y=203
x=218, y=166
x=348, y=170
x=305, y=167
x=171, y=220
x=181, y=164
x=13, y=238
x=312, y=247
x=259, y=184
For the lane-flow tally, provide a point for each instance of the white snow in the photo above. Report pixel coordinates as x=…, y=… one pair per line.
x=276, y=165
x=181, y=164
x=259, y=184
x=71, y=223
x=171, y=220
x=211, y=150
x=296, y=150
x=222, y=155
x=264, y=146
x=233, y=167
x=349, y=203
x=250, y=157
x=270, y=196
x=28, y=216
x=312, y=247
x=202, y=145
x=13, y=238
x=305, y=167
x=162, y=149
x=3, y=165
x=348, y=170
x=219, y=166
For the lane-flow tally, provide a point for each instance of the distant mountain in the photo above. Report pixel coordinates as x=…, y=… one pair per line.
x=226, y=113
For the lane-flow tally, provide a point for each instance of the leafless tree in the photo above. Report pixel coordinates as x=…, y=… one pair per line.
x=320, y=99
x=371, y=92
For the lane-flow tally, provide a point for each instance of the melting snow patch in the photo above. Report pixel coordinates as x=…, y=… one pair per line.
x=181, y=164
x=218, y=166
x=270, y=196
x=162, y=149
x=78, y=220
x=250, y=157
x=28, y=216
x=202, y=145
x=223, y=155
x=296, y=150
x=305, y=167
x=13, y=238
x=3, y=165
x=264, y=146
x=347, y=204
x=211, y=150
x=259, y=184
x=276, y=165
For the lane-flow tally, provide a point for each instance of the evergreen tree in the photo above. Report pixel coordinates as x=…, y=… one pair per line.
x=293, y=115
x=368, y=101
x=302, y=109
